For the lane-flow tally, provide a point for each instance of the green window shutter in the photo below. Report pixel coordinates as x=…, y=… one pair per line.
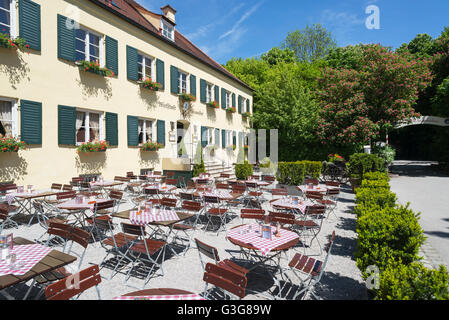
x=66, y=38
x=223, y=138
x=132, y=70
x=30, y=23
x=248, y=106
x=161, y=132
x=31, y=122
x=203, y=137
x=112, y=128
x=233, y=100
x=160, y=73
x=66, y=125
x=223, y=98
x=203, y=90
x=217, y=137
x=234, y=138
x=174, y=75
x=240, y=104
x=133, y=131
x=193, y=85
x=112, y=54
x=217, y=94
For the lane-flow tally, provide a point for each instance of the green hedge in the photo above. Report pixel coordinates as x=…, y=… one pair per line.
x=243, y=170
x=367, y=199
x=294, y=173
x=376, y=176
x=361, y=163
x=375, y=184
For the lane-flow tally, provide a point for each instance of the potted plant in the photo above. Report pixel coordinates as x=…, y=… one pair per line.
x=187, y=97
x=149, y=84
x=17, y=43
x=93, y=146
x=231, y=110
x=94, y=67
x=213, y=104
x=11, y=144
x=151, y=146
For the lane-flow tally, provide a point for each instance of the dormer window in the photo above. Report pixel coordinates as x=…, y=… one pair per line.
x=168, y=30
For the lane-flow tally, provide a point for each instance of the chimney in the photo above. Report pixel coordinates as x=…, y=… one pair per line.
x=169, y=13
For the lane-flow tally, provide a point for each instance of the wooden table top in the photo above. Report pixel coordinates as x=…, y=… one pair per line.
x=182, y=216
x=157, y=292
x=234, y=196
x=40, y=195
x=54, y=260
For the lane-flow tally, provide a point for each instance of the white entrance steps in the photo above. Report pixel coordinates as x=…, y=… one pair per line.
x=216, y=168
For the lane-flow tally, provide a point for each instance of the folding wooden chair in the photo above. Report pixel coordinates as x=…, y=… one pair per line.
x=143, y=251
x=56, y=187
x=97, y=215
x=67, y=187
x=310, y=224
x=312, y=181
x=253, y=214
x=308, y=271
x=224, y=279
x=214, y=208
x=193, y=207
x=5, y=220
x=78, y=283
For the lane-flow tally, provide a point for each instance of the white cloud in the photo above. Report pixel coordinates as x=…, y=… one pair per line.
x=245, y=16
x=342, y=25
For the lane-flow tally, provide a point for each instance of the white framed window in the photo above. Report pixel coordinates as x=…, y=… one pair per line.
x=8, y=118
x=89, y=46
x=228, y=99
x=209, y=93
x=147, y=130
x=183, y=82
x=89, y=126
x=146, y=67
x=228, y=138
x=168, y=30
x=8, y=17
x=210, y=136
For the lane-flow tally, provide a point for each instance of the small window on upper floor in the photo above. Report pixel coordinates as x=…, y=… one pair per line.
x=209, y=94
x=145, y=67
x=8, y=118
x=228, y=99
x=88, y=126
x=168, y=30
x=183, y=82
x=8, y=18
x=89, y=46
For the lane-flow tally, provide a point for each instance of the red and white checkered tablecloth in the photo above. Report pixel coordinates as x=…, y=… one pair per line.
x=156, y=215
x=222, y=194
x=167, y=297
x=29, y=255
x=288, y=203
x=254, y=237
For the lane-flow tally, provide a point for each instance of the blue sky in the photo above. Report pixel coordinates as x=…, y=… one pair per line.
x=226, y=29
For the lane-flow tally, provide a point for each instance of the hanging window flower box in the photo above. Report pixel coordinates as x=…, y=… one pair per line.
x=231, y=110
x=245, y=147
x=231, y=147
x=94, y=67
x=213, y=104
x=151, y=146
x=149, y=84
x=10, y=144
x=17, y=43
x=246, y=114
x=94, y=146
x=187, y=97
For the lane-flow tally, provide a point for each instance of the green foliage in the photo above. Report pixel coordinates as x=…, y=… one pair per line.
x=243, y=170
x=412, y=282
x=310, y=44
x=388, y=233
x=313, y=169
x=293, y=173
x=251, y=70
x=375, y=184
x=348, y=57
x=376, y=176
x=199, y=167
x=277, y=55
x=16, y=43
x=368, y=198
x=11, y=144
x=361, y=163
x=387, y=153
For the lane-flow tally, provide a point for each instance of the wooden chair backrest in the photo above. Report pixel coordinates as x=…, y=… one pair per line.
x=66, y=195
x=103, y=205
x=312, y=181
x=333, y=192
x=253, y=177
x=167, y=202
x=269, y=178
x=157, y=173
x=238, y=188
x=192, y=206
x=252, y=185
x=116, y=195
x=186, y=196
x=132, y=229
x=333, y=183
x=59, y=229
x=172, y=182
x=282, y=217
x=169, y=174
x=225, y=175
x=209, y=199
x=151, y=191
x=83, y=280
x=202, y=181
x=67, y=187
x=56, y=186
x=314, y=195
x=315, y=210
x=80, y=236
x=279, y=192
x=222, y=186
x=225, y=279
x=207, y=250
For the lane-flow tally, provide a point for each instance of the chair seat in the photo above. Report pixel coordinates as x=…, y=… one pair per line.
x=7, y=207
x=217, y=211
x=308, y=223
x=228, y=264
x=180, y=226
x=57, y=220
x=327, y=202
x=120, y=240
x=255, y=193
x=53, y=275
x=104, y=217
x=153, y=246
x=306, y=264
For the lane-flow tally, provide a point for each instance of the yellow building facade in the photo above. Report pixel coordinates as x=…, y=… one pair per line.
x=42, y=80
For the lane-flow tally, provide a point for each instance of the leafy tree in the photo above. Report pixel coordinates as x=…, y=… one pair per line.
x=310, y=44
x=359, y=104
x=277, y=55
x=345, y=57
x=252, y=71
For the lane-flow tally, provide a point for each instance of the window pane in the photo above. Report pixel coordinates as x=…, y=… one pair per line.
x=4, y=17
x=94, y=124
x=4, y=30
x=94, y=51
x=80, y=56
x=80, y=127
x=6, y=118
x=141, y=140
x=148, y=72
x=148, y=62
x=149, y=130
x=80, y=45
x=81, y=34
x=4, y=4
x=93, y=39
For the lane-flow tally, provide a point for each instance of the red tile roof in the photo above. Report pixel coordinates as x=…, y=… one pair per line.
x=127, y=10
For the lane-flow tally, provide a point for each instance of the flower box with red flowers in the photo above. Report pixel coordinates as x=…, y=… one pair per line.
x=213, y=104
x=151, y=146
x=17, y=43
x=187, y=97
x=335, y=158
x=94, y=146
x=231, y=110
x=94, y=67
x=10, y=144
x=149, y=84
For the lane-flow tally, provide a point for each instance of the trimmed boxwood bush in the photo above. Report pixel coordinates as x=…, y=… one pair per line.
x=388, y=233
x=243, y=170
x=376, y=176
x=375, y=184
x=368, y=198
x=361, y=163
x=294, y=172
x=412, y=282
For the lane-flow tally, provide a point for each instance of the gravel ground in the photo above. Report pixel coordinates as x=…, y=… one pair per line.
x=341, y=280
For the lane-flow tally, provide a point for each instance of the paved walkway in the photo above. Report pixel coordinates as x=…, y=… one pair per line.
x=428, y=193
